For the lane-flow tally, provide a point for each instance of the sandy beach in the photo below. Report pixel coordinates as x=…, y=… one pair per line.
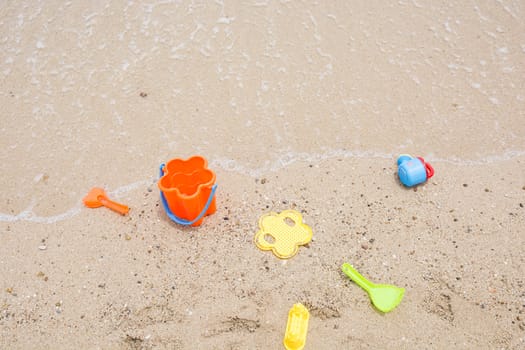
x=295, y=105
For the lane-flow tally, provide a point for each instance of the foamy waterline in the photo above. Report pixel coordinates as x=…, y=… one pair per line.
x=29, y=215
x=281, y=162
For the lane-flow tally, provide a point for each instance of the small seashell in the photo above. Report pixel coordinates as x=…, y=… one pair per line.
x=42, y=247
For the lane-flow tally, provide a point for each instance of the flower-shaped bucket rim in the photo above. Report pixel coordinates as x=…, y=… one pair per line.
x=203, y=167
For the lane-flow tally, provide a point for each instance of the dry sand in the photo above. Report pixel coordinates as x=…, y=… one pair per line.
x=301, y=105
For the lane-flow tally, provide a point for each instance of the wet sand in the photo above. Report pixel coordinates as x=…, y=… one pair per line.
x=301, y=106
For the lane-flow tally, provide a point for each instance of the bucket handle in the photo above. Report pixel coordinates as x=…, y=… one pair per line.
x=175, y=218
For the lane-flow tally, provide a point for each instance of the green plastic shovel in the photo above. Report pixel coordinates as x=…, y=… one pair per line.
x=385, y=297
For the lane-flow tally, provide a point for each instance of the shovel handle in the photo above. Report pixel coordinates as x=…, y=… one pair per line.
x=355, y=276
x=119, y=208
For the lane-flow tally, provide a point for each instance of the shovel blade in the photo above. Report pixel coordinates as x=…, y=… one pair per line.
x=386, y=297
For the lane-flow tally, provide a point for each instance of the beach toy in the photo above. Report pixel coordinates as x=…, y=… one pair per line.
x=296, y=327
x=413, y=171
x=187, y=190
x=97, y=197
x=282, y=233
x=385, y=297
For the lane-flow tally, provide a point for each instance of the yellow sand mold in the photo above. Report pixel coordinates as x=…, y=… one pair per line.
x=296, y=328
x=282, y=233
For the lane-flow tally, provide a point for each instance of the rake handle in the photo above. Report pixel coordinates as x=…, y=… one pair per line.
x=119, y=208
x=355, y=276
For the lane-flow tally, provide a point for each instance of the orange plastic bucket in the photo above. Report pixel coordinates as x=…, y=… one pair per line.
x=187, y=190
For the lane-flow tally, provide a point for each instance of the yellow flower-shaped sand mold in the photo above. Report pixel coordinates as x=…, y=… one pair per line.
x=282, y=233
